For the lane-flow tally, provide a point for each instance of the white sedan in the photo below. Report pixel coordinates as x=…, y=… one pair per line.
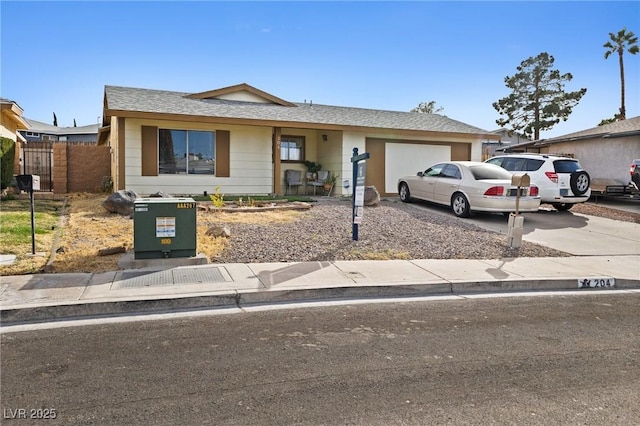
x=468, y=186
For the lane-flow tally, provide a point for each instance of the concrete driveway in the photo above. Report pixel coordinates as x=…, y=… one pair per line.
x=573, y=233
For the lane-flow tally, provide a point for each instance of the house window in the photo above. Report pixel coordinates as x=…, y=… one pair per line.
x=33, y=134
x=292, y=148
x=186, y=152
x=49, y=138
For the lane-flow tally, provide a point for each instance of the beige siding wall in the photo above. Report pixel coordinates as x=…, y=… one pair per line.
x=250, y=162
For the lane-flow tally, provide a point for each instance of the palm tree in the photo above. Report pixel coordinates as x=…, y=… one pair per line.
x=618, y=43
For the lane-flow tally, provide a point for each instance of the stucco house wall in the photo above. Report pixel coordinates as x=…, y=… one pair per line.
x=603, y=158
x=605, y=152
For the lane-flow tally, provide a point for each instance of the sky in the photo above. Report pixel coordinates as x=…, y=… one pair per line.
x=57, y=57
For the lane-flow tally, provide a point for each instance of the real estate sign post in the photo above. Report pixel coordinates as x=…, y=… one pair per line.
x=359, y=173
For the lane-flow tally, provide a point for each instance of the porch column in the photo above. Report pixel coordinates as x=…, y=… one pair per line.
x=275, y=149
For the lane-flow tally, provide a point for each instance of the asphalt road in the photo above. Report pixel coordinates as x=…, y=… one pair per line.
x=561, y=359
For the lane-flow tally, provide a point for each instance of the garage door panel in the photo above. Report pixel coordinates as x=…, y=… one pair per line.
x=407, y=159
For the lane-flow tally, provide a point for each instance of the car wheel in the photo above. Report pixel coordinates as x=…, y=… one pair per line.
x=561, y=207
x=405, y=195
x=580, y=182
x=460, y=205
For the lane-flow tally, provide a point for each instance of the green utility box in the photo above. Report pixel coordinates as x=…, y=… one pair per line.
x=164, y=228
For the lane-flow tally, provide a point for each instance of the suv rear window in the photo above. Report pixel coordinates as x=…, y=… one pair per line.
x=519, y=164
x=566, y=166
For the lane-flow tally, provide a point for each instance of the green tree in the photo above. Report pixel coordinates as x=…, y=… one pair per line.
x=538, y=100
x=7, y=155
x=427, y=108
x=618, y=43
x=608, y=120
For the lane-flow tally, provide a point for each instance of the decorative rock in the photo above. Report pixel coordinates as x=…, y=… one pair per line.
x=159, y=194
x=120, y=202
x=371, y=196
x=218, y=231
x=111, y=250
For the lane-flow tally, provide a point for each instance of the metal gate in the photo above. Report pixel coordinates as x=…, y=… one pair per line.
x=37, y=159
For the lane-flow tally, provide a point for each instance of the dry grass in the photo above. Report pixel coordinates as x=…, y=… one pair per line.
x=89, y=228
x=16, y=233
x=388, y=254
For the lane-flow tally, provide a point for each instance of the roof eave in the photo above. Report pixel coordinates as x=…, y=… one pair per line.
x=13, y=112
x=103, y=135
x=291, y=124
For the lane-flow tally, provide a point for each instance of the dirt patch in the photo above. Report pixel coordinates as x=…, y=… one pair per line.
x=89, y=227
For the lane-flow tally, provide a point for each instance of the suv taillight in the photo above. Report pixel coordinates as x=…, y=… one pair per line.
x=553, y=176
x=533, y=190
x=632, y=169
x=494, y=191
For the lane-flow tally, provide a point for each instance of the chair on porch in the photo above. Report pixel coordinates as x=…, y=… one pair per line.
x=322, y=176
x=293, y=178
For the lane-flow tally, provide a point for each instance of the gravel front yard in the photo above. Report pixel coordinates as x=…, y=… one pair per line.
x=393, y=230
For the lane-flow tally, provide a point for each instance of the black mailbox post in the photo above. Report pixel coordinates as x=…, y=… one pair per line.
x=29, y=183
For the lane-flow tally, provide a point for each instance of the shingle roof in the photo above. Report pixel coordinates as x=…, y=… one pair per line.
x=618, y=128
x=128, y=99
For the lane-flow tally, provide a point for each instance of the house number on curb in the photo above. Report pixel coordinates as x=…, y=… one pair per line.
x=596, y=283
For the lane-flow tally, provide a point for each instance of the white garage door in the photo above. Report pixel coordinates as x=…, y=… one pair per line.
x=403, y=159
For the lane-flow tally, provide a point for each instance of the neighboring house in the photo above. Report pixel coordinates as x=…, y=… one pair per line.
x=507, y=138
x=38, y=131
x=243, y=139
x=10, y=124
x=605, y=152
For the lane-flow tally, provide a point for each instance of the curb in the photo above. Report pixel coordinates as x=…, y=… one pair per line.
x=235, y=299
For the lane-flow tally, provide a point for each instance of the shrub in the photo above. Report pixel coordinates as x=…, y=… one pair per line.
x=7, y=154
x=217, y=198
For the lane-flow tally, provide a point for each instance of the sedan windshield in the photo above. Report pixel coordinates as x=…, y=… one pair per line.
x=489, y=171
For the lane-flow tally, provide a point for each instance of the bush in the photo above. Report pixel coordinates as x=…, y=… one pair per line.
x=7, y=154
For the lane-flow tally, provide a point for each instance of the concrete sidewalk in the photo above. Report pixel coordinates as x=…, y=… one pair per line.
x=46, y=297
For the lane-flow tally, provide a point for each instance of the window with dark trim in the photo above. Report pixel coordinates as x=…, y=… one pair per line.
x=292, y=148
x=186, y=152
